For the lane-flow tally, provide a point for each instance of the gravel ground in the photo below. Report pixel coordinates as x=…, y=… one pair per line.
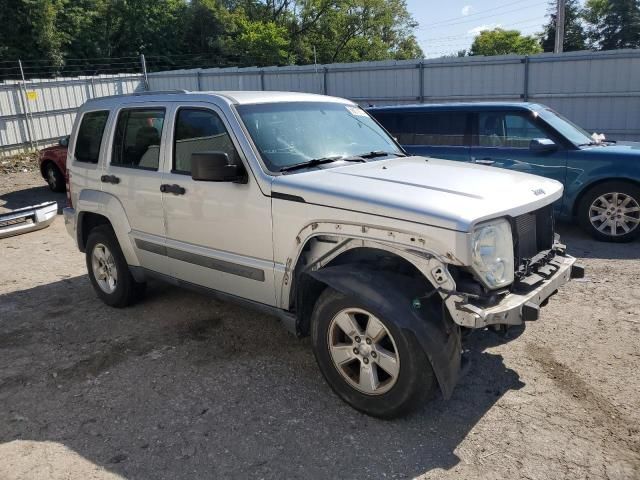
x=182, y=386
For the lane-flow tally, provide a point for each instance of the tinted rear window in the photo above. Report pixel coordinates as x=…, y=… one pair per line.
x=90, y=136
x=428, y=128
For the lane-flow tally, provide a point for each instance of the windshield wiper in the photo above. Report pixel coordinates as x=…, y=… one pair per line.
x=380, y=153
x=320, y=161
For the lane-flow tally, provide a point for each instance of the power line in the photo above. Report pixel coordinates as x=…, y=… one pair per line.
x=458, y=21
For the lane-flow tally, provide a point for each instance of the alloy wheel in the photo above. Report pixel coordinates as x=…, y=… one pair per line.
x=615, y=214
x=104, y=268
x=363, y=351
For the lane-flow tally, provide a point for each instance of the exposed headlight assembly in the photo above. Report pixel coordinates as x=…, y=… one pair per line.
x=492, y=253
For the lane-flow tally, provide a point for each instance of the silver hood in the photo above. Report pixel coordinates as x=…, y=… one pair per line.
x=442, y=193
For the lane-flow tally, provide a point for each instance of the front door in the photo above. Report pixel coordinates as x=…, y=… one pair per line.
x=503, y=140
x=218, y=233
x=133, y=176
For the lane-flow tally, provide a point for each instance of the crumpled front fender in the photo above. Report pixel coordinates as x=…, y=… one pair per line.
x=391, y=295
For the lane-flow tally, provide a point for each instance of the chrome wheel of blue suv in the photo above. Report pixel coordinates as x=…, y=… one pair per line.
x=611, y=211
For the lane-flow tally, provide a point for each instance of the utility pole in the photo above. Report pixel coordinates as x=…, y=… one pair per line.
x=559, y=46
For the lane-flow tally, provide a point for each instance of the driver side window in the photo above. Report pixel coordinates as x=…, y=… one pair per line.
x=199, y=130
x=509, y=130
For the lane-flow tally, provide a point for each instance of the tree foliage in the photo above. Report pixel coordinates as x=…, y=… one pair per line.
x=502, y=42
x=575, y=36
x=613, y=24
x=174, y=33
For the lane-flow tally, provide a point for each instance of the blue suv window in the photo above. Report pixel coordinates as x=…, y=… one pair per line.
x=511, y=130
x=426, y=128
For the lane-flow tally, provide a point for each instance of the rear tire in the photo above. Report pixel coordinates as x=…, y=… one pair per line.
x=353, y=363
x=108, y=269
x=54, y=178
x=610, y=212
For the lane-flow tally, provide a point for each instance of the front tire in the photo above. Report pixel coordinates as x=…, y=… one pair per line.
x=610, y=212
x=108, y=269
x=368, y=360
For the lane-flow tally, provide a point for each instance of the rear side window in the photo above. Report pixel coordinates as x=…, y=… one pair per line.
x=90, y=136
x=388, y=120
x=199, y=130
x=433, y=128
x=136, y=142
x=437, y=128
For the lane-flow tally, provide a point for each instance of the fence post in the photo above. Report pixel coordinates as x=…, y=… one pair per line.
x=262, y=79
x=143, y=63
x=27, y=109
x=421, y=79
x=325, y=74
x=525, y=94
x=199, y=79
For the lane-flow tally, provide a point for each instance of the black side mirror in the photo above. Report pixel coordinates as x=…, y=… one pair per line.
x=542, y=145
x=64, y=141
x=215, y=167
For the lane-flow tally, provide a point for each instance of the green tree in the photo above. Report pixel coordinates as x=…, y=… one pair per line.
x=261, y=42
x=575, y=37
x=613, y=24
x=28, y=30
x=502, y=42
x=357, y=30
x=77, y=36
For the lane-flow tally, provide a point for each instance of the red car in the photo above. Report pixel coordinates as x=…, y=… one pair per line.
x=53, y=164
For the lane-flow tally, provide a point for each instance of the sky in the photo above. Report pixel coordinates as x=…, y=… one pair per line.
x=449, y=26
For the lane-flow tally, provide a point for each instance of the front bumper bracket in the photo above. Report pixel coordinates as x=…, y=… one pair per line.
x=515, y=308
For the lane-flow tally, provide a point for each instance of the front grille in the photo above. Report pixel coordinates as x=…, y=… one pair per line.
x=15, y=221
x=533, y=233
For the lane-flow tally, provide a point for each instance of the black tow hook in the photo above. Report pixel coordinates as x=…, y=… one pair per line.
x=577, y=271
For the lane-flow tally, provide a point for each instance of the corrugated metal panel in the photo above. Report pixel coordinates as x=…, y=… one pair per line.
x=51, y=104
x=293, y=79
x=213, y=79
x=598, y=90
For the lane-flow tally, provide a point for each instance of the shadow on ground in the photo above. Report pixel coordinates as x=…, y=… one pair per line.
x=182, y=386
x=580, y=244
x=32, y=196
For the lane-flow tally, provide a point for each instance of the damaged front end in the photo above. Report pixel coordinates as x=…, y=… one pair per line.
x=541, y=266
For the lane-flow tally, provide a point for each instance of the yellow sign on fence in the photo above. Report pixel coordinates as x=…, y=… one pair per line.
x=32, y=95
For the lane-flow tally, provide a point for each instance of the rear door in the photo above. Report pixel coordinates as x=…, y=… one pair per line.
x=440, y=134
x=133, y=176
x=502, y=139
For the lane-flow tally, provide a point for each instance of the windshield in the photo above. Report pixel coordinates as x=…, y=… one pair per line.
x=295, y=132
x=565, y=127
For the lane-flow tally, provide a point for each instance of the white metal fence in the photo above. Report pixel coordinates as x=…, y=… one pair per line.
x=598, y=90
x=36, y=113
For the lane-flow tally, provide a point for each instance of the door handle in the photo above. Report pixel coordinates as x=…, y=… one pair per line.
x=484, y=161
x=175, y=189
x=109, y=179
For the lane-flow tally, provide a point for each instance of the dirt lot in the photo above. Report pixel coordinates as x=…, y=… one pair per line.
x=182, y=386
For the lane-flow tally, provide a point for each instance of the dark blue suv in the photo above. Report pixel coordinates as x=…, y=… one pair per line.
x=601, y=180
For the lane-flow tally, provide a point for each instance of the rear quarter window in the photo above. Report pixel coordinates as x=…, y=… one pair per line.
x=426, y=128
x=89, y=138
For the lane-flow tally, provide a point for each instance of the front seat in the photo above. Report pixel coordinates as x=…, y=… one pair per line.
x=147, y=147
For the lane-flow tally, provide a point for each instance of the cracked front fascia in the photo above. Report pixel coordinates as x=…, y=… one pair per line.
x=420, y=251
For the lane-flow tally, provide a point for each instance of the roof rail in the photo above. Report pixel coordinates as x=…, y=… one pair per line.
x=137, y=94
x=159, y=92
